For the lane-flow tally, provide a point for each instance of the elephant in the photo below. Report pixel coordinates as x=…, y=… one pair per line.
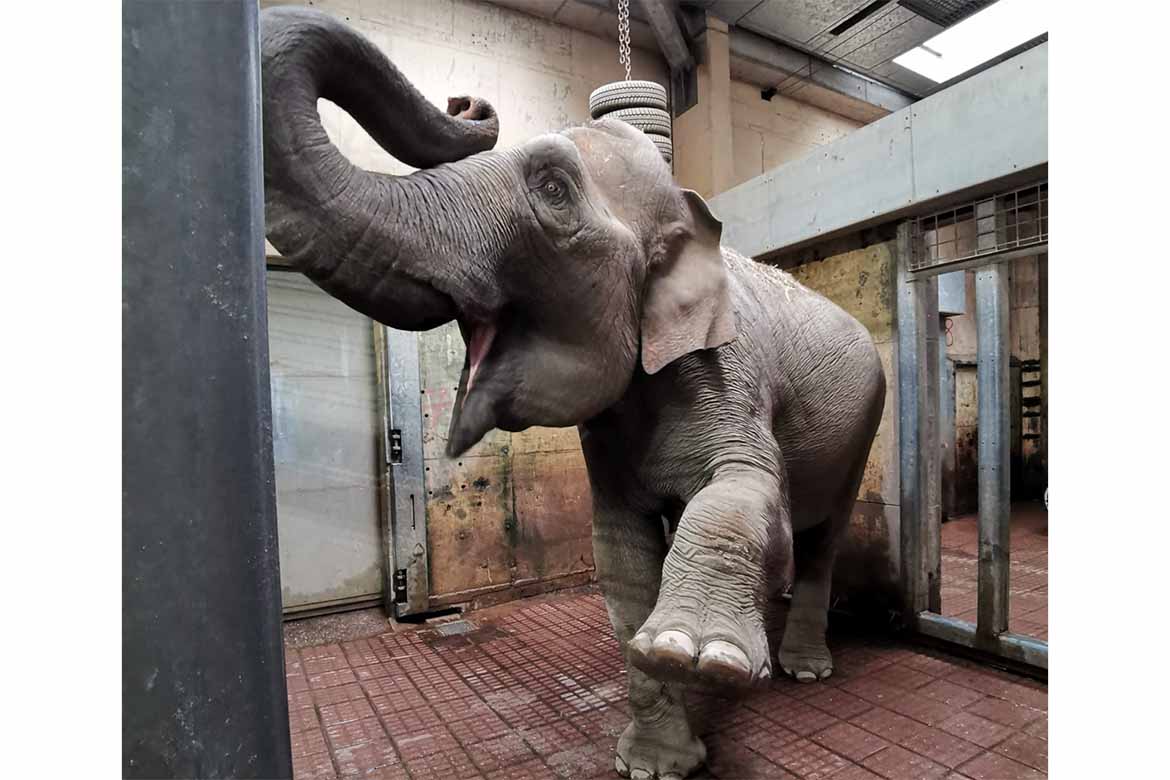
x=591, y=290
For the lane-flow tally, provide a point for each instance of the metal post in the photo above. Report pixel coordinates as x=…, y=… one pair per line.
x=1043, y=284
x=918, y=406
x=992, y=312
x=203, y=685
x=411, y=577
x=946, y=427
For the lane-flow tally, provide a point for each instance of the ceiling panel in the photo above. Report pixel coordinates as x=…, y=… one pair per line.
x=799, y=21
x=879, y=38
x=905, y=78
x=730, y=11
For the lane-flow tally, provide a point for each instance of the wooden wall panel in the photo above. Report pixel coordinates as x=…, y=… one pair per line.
x=553, y=514
x=469, y=521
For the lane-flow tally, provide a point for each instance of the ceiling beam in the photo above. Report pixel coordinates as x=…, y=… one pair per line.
x=792, y=66
x=661, y=16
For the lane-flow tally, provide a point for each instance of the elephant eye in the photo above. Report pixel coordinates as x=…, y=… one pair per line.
x=553, y=188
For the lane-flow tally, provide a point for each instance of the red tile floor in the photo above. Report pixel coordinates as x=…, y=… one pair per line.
x=1027, y=578
x=536, y=689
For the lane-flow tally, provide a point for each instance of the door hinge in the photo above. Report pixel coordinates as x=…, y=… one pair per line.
x=400, y=586
x=395, y=445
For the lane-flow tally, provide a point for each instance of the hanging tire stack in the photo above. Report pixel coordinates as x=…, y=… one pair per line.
x=638, y=103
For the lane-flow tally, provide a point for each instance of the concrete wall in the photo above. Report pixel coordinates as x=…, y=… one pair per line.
x=766, y=134
x=861, y=281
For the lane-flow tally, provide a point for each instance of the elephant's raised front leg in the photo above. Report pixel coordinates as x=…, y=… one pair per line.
x=628, y=549
x=708, y=624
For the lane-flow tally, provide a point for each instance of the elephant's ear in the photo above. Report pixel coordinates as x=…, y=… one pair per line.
x=687, y=305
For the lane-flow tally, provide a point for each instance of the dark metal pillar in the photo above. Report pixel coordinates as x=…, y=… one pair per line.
x=992, y=307
x=203, y=691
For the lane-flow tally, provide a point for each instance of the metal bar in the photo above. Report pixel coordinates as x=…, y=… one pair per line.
x=980, y=261
x=1014, y=647
x=203, y=684
x=409, y=492
x=992, y=307
x=948, y=434
x=385, y=470
x=920, y=490
x=1043, y=284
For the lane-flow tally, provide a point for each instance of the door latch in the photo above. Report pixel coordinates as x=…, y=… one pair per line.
x=395, y=445
x=400, y=586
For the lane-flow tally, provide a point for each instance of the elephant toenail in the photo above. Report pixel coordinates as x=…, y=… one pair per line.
x=641, y=774
x=641, y=643
x=805, y=676
x=724, y=661
x=621, y=767
x=826, y=674
x=674, y=646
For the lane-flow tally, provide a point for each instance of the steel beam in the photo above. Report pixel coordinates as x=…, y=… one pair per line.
x=992, y=307
x=203, y=683
x=918, y=411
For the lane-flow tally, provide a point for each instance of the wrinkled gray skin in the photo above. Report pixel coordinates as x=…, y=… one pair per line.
x=592, y=291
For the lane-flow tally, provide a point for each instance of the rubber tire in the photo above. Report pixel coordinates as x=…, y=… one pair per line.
x=652, y=121
x=664, y=146
x=626, y=94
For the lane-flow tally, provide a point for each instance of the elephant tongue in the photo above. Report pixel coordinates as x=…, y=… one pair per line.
x=477, y=349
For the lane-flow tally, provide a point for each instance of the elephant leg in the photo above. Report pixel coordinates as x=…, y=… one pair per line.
x=708, y=624
x=628, y=549
x=803, y=653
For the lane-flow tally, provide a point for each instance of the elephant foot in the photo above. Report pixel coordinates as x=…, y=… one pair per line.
x=703, y=646
x=666, y=751
x=803, y=653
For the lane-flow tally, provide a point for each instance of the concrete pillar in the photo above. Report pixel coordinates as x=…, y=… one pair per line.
x=703, y=159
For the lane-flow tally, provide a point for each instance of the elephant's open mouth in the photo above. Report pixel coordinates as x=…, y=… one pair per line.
x=478, y=346
x=474, y=413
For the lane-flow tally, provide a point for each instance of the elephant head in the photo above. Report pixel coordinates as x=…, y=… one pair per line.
x=570, y=262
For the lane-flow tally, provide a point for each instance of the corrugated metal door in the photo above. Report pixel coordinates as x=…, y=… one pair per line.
x=325, y=431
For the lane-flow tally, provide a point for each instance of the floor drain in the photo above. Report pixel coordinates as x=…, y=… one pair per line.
x=455, y=627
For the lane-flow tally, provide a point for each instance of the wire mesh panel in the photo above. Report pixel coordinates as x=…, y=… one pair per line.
x=991, y=226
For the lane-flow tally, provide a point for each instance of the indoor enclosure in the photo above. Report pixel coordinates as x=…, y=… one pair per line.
x=441, y=612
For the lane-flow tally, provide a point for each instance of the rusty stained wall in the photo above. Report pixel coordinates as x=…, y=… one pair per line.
x=511, y=515
x=962, y=348
x=861, y=282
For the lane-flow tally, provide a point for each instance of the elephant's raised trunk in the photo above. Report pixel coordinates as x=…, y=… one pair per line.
x=408, y=251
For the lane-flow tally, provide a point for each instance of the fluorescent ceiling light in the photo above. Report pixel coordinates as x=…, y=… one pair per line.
x=977, y=39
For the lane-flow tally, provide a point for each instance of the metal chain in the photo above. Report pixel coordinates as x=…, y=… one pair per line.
x=624, y=35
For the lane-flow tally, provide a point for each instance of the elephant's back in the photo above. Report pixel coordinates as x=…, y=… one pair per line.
x=820, y=362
